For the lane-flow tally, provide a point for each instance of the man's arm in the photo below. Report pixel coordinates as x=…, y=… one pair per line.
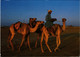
x=48, y=18
x=53, y=19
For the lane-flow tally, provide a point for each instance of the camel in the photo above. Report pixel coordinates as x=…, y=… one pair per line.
x=41, y=31
x=55, y=29
x=23, y=29
x=58, y=33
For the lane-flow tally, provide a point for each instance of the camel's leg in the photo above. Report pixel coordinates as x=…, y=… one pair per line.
x=28, y=42
x=47, y=45
x=46, y=40
x=11, y=41
x=58, y=41
x=23, y=38
x=41, y=43
x=36, y=41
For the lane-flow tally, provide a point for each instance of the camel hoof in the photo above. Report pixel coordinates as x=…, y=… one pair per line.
x=54, y=50
x=42, y=51
x=35, y=45
x=51, y=52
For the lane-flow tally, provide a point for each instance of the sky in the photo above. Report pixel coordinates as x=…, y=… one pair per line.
x=21, y=10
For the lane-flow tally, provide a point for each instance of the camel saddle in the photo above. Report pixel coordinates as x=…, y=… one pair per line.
x=53, y=19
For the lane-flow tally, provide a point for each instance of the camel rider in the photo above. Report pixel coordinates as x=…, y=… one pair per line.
x=49, y=23
x=48, y=19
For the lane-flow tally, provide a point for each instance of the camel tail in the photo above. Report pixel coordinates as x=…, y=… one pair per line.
x=9, y=35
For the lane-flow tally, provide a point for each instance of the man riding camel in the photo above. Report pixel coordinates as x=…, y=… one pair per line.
x=49, y=20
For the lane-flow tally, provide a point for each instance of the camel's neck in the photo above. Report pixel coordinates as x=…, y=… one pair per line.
x=63, y=26
x=34, y=29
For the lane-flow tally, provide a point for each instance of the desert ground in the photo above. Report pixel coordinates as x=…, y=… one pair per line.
x=69, y=44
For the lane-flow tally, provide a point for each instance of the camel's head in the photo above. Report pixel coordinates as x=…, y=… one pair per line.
x=53, y=19
x=40, y=22
x=32, y=20
x=63, y=19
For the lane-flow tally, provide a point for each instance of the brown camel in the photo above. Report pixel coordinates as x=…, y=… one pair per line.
x=23, y=29
x=58, y=32
x=56, y=29
x=41, y=31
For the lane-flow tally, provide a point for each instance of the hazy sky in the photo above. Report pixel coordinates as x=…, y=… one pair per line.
x=21, y=10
